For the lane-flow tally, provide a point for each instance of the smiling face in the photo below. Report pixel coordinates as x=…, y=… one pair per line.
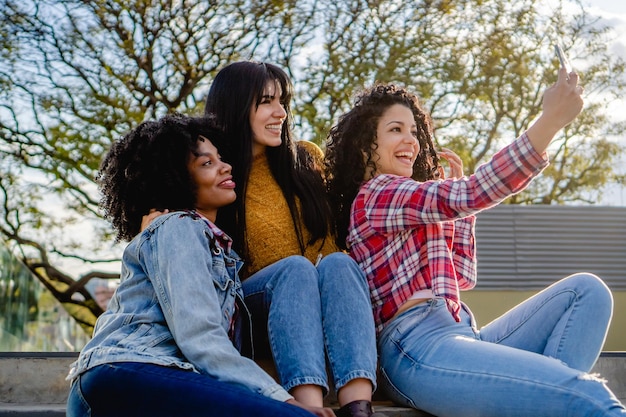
x=266, y=118
x=213, y=180
x=396, y=146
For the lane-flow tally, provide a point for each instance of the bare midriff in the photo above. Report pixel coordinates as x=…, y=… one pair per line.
x=408, y=304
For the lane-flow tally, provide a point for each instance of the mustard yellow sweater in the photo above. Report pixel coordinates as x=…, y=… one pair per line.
x=271, y=234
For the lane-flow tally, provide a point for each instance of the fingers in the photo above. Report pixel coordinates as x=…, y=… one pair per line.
x=562, y=103
x=455, y=162
x=562, y=76
x=570, y=79
x=148, y=218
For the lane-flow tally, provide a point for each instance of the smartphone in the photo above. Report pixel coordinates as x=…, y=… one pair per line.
x=562, y=58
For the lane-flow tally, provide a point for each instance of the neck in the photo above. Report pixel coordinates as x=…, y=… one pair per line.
x=210, y=215
x=257, y=150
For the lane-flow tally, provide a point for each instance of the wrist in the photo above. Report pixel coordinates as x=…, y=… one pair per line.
x=542, y=132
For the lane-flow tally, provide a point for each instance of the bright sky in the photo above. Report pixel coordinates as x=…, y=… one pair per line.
x=614, y=13
x=611, y=6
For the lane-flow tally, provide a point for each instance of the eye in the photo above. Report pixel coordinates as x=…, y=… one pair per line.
x=266, y=99
x=208, y=163
x=414, y=133
x=395, y=129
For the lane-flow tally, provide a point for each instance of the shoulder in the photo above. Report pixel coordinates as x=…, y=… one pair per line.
x=388, y=190
x=312, y=151
x=178, y=223
x=186, y=227
x=387, y=182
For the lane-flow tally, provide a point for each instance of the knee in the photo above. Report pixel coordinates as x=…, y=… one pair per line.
x=341, y=266
x=592, y=287
x=338, y=261
x=297, y=263
x=298, y=269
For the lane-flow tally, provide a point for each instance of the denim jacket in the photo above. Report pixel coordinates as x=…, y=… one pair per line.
x=174, y=306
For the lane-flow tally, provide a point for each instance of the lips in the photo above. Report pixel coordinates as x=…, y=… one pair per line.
x=405, y=156
x=276, y=129
x=228, y=183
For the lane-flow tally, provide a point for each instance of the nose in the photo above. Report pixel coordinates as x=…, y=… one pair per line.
x=279, y=111
x=410, y=138
x=226, y=167
x=413, y=141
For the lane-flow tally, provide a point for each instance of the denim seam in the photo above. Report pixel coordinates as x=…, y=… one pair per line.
x=306, y=380
x=354, y=375
x=529, y=316
x=564, y=389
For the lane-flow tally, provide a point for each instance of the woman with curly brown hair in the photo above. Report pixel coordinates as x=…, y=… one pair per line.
x=413, y=235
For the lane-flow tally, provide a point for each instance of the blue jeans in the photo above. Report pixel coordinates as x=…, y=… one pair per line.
x=532, y=361
x=302, y=312
x=131, y=389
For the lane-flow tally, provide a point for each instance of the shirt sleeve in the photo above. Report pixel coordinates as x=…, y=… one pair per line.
x=183, y=282
x=395, y=203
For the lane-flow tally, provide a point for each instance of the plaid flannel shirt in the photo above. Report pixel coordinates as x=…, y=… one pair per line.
x=409, y=236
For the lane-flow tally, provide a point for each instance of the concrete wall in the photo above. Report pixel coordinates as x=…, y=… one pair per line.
x=39, y=379
x=488, y=305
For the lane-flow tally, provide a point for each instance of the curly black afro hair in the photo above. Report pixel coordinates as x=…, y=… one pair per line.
x=147, y=168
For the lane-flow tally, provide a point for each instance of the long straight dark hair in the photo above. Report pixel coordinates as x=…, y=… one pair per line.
x=235, y=89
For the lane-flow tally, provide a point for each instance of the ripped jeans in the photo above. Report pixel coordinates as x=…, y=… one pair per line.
x=532, y=361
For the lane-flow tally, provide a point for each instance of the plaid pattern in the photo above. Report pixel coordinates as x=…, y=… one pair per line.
x=409, y=236
x=221, y=238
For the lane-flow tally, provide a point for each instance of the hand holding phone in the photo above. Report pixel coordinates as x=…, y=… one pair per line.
x=562, y=58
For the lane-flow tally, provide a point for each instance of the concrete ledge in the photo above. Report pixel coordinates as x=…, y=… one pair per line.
x=56, y=410
x=34, y=378
x=32, y=410
x=33, y=384
x=612, y=367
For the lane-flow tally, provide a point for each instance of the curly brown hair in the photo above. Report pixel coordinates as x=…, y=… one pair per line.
x=352, y=141
x=147, y=168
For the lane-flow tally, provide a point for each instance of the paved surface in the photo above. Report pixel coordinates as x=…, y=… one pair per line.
x=33, y=384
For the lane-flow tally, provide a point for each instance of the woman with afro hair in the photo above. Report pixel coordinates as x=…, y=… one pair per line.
x=167, y=345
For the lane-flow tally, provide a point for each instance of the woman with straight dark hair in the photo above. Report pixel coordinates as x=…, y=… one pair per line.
x=308, y=300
